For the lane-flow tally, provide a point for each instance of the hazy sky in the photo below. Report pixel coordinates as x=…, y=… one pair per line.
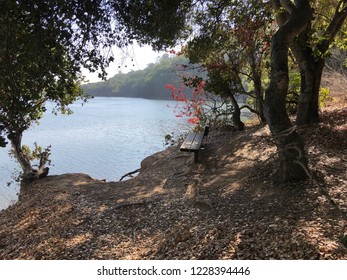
x=132, y=58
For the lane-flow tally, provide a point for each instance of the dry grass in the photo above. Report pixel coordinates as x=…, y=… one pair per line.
x=337, y=84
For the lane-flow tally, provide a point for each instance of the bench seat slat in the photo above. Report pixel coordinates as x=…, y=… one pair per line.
x=196, y=143
x=192, y=142
x=187, y=142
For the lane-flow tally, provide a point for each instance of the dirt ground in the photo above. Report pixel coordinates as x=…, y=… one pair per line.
x=227, y=206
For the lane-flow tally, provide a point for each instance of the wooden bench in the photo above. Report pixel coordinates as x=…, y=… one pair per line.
x=193, y=142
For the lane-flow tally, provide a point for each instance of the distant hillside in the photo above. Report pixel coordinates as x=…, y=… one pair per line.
x=147, y=83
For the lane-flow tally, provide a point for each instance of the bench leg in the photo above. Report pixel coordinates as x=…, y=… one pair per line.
x=196, y=156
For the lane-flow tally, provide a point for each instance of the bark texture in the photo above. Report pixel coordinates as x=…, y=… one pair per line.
x=311, y=75
x=289, y=144
x=258, y=89
x=236, y=115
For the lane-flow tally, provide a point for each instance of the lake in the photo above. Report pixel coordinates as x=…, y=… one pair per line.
x=106, y=138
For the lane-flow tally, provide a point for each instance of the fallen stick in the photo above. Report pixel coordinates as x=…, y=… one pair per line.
x=129, y=174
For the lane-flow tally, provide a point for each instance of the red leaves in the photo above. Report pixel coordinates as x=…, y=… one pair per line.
x=193, y=106
x=194, y=120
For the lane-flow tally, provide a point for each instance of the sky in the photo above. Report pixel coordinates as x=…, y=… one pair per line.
x=132, y=58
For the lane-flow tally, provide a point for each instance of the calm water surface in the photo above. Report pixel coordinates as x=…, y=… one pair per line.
x=105, y=138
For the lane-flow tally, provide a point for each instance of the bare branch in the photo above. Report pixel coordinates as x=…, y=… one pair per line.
x=250, y=109
x=335, y=25
x=129, y=174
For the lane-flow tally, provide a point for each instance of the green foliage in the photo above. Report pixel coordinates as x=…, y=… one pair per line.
x=44, y=46
x=292, y=98
x=324, y=96
x=233, y=46
x=327, y=27
x=161, y=23
x=36, y=153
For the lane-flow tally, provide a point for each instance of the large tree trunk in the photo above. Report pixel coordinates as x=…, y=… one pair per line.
x=308, y=107
x=290, y=146
x=311, y=70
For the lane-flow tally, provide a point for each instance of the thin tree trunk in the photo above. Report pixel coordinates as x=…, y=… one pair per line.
x=258, y=90
x=23, y=160
x=311, y=66
x=236, y=115
x=289, y=144
x=308, y=107
x=311, y=71
x=29, y=173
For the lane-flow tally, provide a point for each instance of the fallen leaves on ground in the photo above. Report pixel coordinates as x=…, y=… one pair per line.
x=225, y=207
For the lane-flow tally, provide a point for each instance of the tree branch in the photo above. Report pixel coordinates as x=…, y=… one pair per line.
x=288, y=5
x=250, y=109
x=129, y=174
x=334, y=26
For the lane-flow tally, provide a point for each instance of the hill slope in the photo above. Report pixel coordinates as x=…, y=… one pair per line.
x=225, y=207
x=147, y=83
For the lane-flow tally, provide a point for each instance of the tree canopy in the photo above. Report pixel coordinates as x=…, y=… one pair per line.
x=44, y=47
x=302, y=28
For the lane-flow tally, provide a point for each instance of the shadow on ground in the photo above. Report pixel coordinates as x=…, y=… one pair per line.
x=224, y=207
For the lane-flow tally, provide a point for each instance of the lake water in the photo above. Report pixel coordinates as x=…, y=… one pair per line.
x=105, y=138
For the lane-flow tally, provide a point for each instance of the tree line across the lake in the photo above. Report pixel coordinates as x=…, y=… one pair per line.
x=272, y=51
x=148, y=83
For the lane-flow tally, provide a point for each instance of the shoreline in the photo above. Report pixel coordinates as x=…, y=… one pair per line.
x=105, y=138
x=225, y=207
